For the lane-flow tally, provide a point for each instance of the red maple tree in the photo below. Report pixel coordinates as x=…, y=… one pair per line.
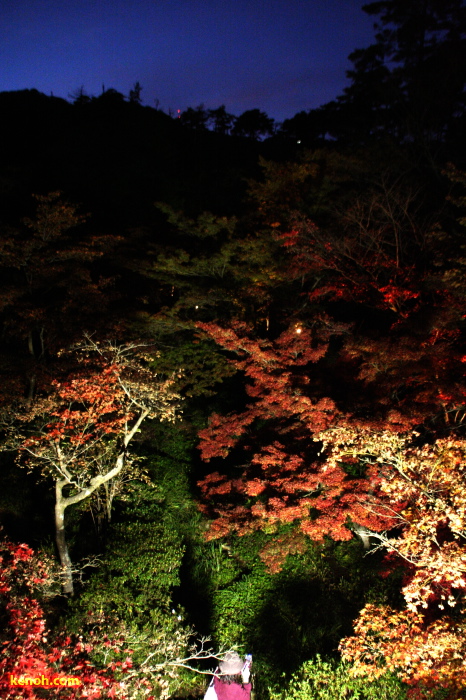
x=289, y=475
x=102, y=658
x=80, y=431
x=28, y=648
x=375, y=344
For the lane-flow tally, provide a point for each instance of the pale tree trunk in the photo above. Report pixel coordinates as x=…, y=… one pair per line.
x=62, y=502
x=60, y=538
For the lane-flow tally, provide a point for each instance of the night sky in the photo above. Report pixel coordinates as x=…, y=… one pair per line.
x=281, y=56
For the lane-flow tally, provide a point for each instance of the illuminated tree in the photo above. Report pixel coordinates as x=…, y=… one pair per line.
x=291, y=477
x=102, y=660
x=79, y=433
x=27, y=650
x=426, y=501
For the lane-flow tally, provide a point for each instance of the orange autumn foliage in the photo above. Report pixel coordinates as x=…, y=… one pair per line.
x=425, y=643
x=290, y=479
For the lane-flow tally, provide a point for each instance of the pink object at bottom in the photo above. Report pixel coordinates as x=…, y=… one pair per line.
x=232, y=691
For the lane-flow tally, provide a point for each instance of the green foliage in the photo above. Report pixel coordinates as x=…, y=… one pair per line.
x=169, y=454
x=131, y=595
x=203, y=365
x=206, y=225
x=320, y=185
x=145, y=546
x=215, y=269
x=355, y=469
x=305, y=609
x=143, y=561
x=140, y=567
x=321, y=679
x=235, y=607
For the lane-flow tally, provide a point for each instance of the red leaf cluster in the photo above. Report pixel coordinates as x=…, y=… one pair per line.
x=27, y=646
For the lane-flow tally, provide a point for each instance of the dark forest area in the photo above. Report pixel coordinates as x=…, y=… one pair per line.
x=233, y=391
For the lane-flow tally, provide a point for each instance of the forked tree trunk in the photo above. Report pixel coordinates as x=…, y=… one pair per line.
x=62, y=502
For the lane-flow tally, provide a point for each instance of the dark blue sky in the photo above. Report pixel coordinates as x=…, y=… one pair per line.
x=281, y=56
